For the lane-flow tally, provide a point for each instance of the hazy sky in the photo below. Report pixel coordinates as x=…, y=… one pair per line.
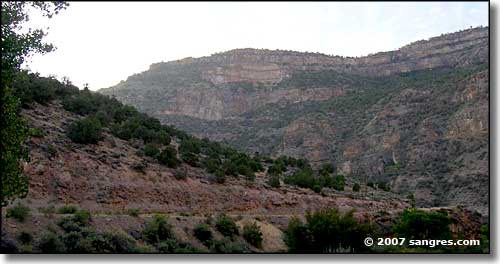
x=104, y=43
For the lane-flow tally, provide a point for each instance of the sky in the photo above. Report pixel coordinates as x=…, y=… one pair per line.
x=102, y=43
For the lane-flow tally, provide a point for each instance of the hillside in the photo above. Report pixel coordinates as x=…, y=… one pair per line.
x=415, y=119
x=104, y=178
x=243, y=151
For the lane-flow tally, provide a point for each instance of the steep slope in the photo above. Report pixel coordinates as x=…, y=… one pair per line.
x=102, y=178
x=415, y=118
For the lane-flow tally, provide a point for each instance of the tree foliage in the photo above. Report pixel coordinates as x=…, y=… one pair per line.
x=327, y=231
x=253, y=235
x=19, y=212
x=168, y=157
x=31, y=87
x=226, y=226
x=418, y=224
x=85, y=131
x=13, y=133
x=203, y=233
x=158, y=230
x=16, y=47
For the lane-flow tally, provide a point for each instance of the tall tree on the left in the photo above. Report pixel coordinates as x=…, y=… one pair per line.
x=17, y=45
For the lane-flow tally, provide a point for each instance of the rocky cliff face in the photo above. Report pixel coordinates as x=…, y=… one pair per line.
x=416, y=118
x=265, y=66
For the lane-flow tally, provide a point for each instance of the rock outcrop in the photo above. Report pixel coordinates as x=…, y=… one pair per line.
x=415, y=118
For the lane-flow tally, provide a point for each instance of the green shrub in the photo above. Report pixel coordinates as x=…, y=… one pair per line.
x=98, y=242
x=316, y=188
x=226, y=226
x=298, y=237
x=383, y=186
x=168, y=157
x=51, y=150
x=24, y=237
x=302, y=178
x=85, y=131
x=339, y=182
x=82, y=217
x=168, y=246
x=325, y=180
x=274, y=170
x=88, y=241
x=327, y=231
x=230, y=168
x=203, y=233
x=37, y=132
x=226, y=246
x=161, y=137
x=356, y=187
x=220, y=176
x=274, y=181
x=418, y=224
x=144, y=249
x=190, y=158
x=333, y=231
x=211, y=165
x=190, y=145
x=180, y=174
x=140, y=166
x=104, y=118
x=81, y=103
x=50, y=243
x=134, y=212
x=302, y=164
x=174, y=246
x=119, y=242
x=244, y=170
x=76, y=222
x=85, y=245
x=18, y=212
x=151, y=150
x=157, y=230
x=47, y=211
x=67, y=209
x=31, y=87
x=485, y=238
x=252, y=234
x=370, y=184
x=72, y=241
x=69, y=225
x=326, y=169
x=255, y=165
x=249, y=174
x=126, y=129
x=186, y=248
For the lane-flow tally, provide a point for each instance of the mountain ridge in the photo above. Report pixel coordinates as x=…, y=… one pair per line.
x=369, y=118
x=454, y=36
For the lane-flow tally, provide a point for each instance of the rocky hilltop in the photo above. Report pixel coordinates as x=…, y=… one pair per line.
x=415, y=118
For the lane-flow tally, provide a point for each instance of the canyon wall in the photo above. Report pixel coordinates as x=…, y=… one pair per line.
x=416, y=117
